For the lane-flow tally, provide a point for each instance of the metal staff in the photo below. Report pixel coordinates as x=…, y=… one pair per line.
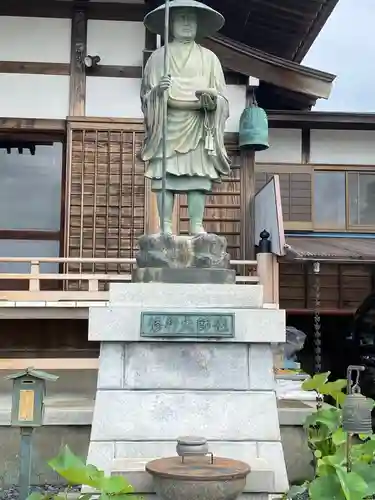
x=165, y=118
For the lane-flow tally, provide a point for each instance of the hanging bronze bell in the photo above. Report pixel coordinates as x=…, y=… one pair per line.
x=356, y=414
x=253, y=132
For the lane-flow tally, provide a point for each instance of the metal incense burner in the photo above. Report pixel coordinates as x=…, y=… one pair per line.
x=196, y=474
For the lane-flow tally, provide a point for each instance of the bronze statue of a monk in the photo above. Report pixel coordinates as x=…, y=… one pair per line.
x=197, y=110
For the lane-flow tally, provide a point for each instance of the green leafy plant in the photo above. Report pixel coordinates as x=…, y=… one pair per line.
x=76, y=472
x=328, y=442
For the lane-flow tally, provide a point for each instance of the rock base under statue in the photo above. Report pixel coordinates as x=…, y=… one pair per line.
x=208, y=251
x=187, y=275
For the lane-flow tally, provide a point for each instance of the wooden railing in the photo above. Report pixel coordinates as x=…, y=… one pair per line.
x=93, y=286
x=264, y=270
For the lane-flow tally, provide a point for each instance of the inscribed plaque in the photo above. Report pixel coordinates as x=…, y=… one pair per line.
x=205, y=325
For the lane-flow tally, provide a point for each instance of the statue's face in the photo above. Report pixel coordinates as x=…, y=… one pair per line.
x=184, y=24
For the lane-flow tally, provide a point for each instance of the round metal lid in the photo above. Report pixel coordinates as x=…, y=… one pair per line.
x=192, y=441
x=198, y=468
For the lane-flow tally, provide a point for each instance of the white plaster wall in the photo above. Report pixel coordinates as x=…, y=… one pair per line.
x=237, y=101
x=34, y=39
x=346, y=147
x=34, y=96
x=116, y=42
x=113, y=97
x=285, y=147
x=120, y=98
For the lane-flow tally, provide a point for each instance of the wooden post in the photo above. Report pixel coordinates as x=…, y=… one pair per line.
x=77, y=96
x=247, y=184
x=34, y=284
x=265, y=274
x=268, y=273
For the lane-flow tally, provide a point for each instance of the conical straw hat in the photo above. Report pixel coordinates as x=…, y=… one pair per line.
x=209, y=20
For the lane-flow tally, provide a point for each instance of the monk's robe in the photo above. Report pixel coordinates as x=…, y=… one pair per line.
x=196, y=154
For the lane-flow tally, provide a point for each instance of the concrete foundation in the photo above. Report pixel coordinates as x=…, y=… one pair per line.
x=48, y=440
x=151, y=391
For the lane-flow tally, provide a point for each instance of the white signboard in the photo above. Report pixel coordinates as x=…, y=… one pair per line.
x=268, y=215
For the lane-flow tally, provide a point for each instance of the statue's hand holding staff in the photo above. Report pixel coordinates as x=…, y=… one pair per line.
x=165, y=83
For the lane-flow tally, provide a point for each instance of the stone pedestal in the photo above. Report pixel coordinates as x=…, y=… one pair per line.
x=152, y=390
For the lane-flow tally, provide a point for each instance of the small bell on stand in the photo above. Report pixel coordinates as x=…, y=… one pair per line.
x=356, y=411
x=253, y=132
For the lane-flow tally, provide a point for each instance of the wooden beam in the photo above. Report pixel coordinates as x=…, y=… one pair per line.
x=32, y=125
x=40, y=8
x=109, y=11
x=77, y=96
x=113, y=11
x=34, y=68
x=322, y=119
x=271, y=69
x=109, y=71
x=34, y=235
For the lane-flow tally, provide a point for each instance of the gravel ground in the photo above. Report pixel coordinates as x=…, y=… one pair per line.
x=12, y=492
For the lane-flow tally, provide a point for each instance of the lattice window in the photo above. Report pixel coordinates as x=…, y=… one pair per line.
x=106, y=195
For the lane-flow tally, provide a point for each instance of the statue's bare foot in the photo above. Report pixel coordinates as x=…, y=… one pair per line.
x=197, y=229
x=167, y=229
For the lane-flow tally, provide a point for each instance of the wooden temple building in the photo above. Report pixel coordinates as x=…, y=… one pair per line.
x=73, y=198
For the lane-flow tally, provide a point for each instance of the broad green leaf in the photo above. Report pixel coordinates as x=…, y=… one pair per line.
x=326, y=488
x=339, y=437
x=324, y=469
x=316, y=382
x=74, y=470
x=330, y=417
x=367, y=473
x=364, y=451
x=333, y=460
x=332, y=388
x=352, y=484
x=115, y=485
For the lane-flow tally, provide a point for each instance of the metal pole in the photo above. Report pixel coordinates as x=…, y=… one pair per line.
x=25, y=461
x=165, y=118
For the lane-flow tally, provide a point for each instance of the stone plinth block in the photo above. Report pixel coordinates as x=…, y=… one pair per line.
x=119, y=324
x=203, y=250
x=187, y=275
x=153, y=389
x=188, y=366
x=153, y=415
x=153, y=295
x=265, y=459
